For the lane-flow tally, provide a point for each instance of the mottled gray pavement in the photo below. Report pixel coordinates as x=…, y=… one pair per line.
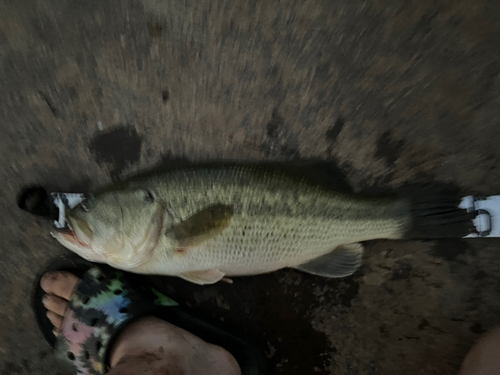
x=392, y=92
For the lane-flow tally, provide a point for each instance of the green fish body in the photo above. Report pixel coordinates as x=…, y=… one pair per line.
x=205, y=223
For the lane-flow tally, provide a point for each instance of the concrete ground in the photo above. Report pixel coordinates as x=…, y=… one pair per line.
x=392, y=92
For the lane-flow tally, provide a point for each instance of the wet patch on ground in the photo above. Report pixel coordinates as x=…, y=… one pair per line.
x=117, y=148
x=388, y=148
x=449, y=249
x=278, y=141
x=335, y=130
x=402, y=270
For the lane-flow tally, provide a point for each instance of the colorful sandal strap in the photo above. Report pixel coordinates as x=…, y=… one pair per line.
x=101, y=304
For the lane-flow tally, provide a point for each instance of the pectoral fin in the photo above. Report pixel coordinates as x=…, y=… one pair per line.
x=203, y=225
x=203, y=277
x=341, y=262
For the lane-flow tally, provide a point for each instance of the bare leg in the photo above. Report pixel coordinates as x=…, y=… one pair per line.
x=484, y=357
x=148, y=346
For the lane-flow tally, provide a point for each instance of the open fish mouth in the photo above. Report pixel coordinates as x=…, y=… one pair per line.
x=71, y=236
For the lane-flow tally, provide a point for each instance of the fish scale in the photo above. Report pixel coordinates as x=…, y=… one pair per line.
x=286, y=222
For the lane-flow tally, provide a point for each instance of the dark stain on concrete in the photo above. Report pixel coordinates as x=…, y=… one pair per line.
x=275, y=125
x=11, y=368
x=117, y=148
x=425, y=24
x=72, y=93
x=477, y=328
x=3, y=39
x=247, y=73
x=349, y=289
x=26, y=364
x=384, y=331
x=424, y=323
x=335, y=130
x=480, y=275
x=155, y=30
x=165, y=96
x=402, y=271
x=388, y=149
x=278, y=141
x=42, y=354
x=449, y=249
x=49, y=103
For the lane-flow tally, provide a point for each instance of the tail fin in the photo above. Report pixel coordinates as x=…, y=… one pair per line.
x=437, y=215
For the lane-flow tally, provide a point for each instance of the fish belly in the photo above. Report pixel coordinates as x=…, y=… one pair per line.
x=250, y=247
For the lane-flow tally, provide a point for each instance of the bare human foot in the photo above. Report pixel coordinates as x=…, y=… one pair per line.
x=484, y=357
x=149, y=345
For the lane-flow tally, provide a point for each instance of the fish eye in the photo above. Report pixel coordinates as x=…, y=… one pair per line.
x=146, y=195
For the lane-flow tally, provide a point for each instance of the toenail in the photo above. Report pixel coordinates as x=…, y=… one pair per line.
x=48, y=278
x=45, y=300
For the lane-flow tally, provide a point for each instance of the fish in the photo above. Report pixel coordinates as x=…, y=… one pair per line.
x=206, y=223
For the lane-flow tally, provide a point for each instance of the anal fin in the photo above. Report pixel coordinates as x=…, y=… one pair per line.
x=341, y=262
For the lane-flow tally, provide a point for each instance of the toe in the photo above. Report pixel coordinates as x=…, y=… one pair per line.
x=60, y=284
x=55, y=319
x=55, y=304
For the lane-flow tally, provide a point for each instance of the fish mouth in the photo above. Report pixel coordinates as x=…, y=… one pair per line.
x=69, y=235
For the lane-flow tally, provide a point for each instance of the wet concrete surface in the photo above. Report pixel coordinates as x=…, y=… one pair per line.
x=391, y=92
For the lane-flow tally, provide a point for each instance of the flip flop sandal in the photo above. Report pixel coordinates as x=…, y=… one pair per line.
x=105, y=301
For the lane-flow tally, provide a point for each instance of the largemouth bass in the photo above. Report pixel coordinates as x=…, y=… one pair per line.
x=209, y=222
